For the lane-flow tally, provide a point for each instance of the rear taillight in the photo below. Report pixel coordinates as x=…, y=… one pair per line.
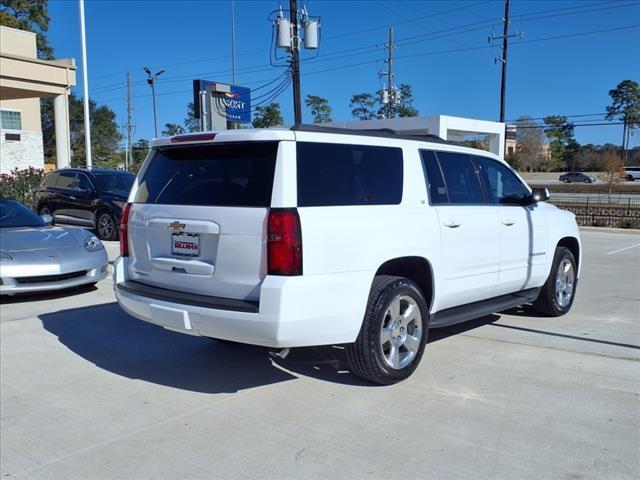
x=284, y=242
x=124, y=237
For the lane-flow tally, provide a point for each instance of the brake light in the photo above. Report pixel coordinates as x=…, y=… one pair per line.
x=124, y=237
x=284, y=242
x=196, y=137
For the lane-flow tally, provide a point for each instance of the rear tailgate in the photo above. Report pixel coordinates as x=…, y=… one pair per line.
x=198, y=219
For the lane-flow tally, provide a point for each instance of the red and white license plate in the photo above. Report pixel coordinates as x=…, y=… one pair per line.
x=185, y=244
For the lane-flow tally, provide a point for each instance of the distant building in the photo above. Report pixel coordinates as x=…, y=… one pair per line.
x=510, y=140
x=511, y=144
x=445, y=126
x=24, y=80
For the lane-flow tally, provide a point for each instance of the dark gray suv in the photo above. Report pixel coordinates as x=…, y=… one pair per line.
x=89, y=198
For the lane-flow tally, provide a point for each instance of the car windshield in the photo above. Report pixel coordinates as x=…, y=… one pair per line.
x=14, y=215
x=114, y=181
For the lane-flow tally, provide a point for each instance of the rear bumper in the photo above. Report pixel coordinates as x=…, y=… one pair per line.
x=292, y=312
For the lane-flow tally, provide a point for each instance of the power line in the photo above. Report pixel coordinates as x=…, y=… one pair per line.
x=567, y=116
x=467, y=28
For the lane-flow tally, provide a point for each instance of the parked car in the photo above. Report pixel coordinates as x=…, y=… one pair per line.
x=89, y=198
x=324, y=236
x=632, y=173
x=37, y=257
x=572, y=177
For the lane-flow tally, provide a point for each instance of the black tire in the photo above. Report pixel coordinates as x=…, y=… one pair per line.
x=587, y=180
x=366, y=355
x=566, y=181
x=547, y=302
x=106, y=226
x=630, y=178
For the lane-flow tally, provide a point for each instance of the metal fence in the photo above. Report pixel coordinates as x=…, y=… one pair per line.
x=601, y=211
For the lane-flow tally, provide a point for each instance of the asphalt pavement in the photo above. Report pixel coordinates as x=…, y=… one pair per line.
x=88, y=392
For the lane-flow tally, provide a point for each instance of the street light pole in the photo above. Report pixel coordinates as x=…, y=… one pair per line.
x=151, y=80
x=85, y=85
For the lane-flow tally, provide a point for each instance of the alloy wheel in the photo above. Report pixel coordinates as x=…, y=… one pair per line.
x=565, y=279
x=401, y=332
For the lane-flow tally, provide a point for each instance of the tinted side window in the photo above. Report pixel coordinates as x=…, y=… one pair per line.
x=84, y=183
x=338, y=174
x=501, y=184
x=460, y=177
x=66, y=180
x=50, y=180
x=435, y=182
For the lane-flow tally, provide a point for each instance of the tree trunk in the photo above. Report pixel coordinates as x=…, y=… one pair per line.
x=626, y=147
x=624, y=138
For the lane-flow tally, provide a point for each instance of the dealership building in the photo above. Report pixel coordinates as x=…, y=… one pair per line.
x=24, y=80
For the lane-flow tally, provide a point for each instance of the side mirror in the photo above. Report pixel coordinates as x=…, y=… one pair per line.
x=46, y=218
x=539, y=195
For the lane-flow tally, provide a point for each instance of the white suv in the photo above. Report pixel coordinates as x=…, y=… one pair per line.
x=632, y=173
x=324, y=236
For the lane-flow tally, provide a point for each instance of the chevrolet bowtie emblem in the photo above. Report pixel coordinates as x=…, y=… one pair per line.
x=176, y=226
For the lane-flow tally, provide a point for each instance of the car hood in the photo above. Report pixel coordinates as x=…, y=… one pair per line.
x=33, y=239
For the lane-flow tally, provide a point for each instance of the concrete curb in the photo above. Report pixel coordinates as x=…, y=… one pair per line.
x=609, y=230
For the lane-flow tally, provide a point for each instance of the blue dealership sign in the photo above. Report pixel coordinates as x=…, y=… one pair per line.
x=236, y=102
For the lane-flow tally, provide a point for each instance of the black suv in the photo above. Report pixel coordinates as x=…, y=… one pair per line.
x=90, y=198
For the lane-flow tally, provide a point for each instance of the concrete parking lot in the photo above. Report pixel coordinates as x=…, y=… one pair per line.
x=89, y=392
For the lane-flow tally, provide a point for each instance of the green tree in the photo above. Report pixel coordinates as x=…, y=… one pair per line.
x=139, y=152
x=191, y=123
x=171, y=129
x=320, y=109
x=29, y=15
x=403, y=105
x=105, y=136
x=625, y=106
x=529, y=140
x=363, y=105
x=562, y=144
x=268, y=116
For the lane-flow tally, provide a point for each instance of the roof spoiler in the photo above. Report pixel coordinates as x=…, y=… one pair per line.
x=372, y=132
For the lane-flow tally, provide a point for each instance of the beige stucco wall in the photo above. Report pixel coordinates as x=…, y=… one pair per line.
x=18, y=42
x=30, y=108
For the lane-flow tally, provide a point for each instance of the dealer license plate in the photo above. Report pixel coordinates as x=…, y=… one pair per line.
x=185, y=244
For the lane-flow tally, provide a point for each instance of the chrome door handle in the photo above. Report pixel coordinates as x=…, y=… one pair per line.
x=508, y=222
x=452, y=223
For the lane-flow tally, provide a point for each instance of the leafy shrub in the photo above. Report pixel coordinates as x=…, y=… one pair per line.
x=629, y=223
x=21, y=184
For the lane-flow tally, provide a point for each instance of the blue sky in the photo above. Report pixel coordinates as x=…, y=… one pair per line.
x=452, y=72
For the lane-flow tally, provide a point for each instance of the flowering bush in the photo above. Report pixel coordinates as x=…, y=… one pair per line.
x=21, y=184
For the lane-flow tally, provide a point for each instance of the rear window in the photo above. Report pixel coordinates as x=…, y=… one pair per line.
x=233, y=175
x=114, y=181
x=339, y=174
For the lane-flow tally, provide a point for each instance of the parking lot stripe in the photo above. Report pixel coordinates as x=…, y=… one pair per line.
x=622, y=249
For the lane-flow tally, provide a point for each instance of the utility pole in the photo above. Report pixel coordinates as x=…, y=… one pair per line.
x=129, y=124
x=503, y=58
x=390, y=76
x=505, y=45
x=85, y=85
x=295, y=62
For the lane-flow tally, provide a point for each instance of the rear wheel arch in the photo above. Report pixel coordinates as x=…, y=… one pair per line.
x=417, y=269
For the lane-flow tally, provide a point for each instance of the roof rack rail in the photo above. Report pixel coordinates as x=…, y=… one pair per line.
x=372, y=132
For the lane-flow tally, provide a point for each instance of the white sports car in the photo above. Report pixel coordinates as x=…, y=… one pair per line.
x=36, y=257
